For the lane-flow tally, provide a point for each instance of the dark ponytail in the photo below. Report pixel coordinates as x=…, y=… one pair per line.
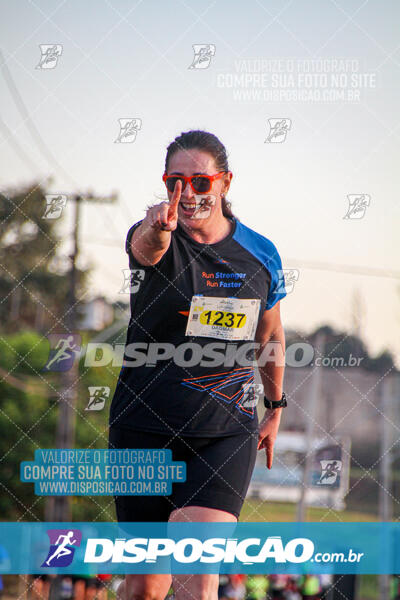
x=206, y=142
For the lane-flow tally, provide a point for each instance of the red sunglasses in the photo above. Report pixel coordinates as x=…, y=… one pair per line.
x=200, y=184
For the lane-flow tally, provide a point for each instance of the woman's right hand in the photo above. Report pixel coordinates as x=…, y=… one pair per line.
x=164, y=216
x=148, y=243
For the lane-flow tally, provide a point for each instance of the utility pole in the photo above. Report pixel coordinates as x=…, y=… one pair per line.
x=315, y=395
x=58, y=508
x=385, y=467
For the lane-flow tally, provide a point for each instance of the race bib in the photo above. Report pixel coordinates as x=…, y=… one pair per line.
x=223, y=318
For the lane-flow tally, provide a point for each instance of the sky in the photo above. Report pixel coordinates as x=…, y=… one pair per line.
x=334, y=68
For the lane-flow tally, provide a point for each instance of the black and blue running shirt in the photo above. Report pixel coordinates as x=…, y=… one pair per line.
x=192, y=378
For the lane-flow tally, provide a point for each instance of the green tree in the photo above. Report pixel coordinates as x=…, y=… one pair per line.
x=33, y=271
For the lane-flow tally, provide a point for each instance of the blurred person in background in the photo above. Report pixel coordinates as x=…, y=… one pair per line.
x=236, y=589
x=222, y=586
x=326, y=581
x=292, y=591
x=103, y=583
x=309, y=587
x=40, y=587
x=395, y=587
x=257, y=587
x=278, y=583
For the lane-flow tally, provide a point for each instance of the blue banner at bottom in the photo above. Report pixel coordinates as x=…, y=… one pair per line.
x=129, y=548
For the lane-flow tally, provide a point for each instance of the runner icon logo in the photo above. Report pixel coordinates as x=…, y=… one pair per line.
x=62, y=547
x=330, y=471
x=132, y=280
x=50, y=54
x=202, y=56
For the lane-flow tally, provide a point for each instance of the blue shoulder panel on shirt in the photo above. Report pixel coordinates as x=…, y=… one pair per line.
x=267, y=254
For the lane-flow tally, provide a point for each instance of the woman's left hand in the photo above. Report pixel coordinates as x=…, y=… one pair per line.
x=267, y=433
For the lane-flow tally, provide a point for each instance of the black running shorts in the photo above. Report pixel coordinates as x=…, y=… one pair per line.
x=218, y=472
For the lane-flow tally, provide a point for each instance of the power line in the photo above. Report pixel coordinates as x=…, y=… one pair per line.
x=354, y=269
x=16, y=146
x=305, y=264
x=23, y=111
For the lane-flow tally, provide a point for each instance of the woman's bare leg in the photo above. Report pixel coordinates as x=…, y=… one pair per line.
x=201, y=586
x=144, y=587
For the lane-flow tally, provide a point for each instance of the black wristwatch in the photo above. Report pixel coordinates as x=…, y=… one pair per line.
x=275, y=403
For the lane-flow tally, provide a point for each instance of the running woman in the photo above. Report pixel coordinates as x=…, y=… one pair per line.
x=205, y=302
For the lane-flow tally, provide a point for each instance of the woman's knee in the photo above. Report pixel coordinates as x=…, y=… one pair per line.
x=144, y=587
